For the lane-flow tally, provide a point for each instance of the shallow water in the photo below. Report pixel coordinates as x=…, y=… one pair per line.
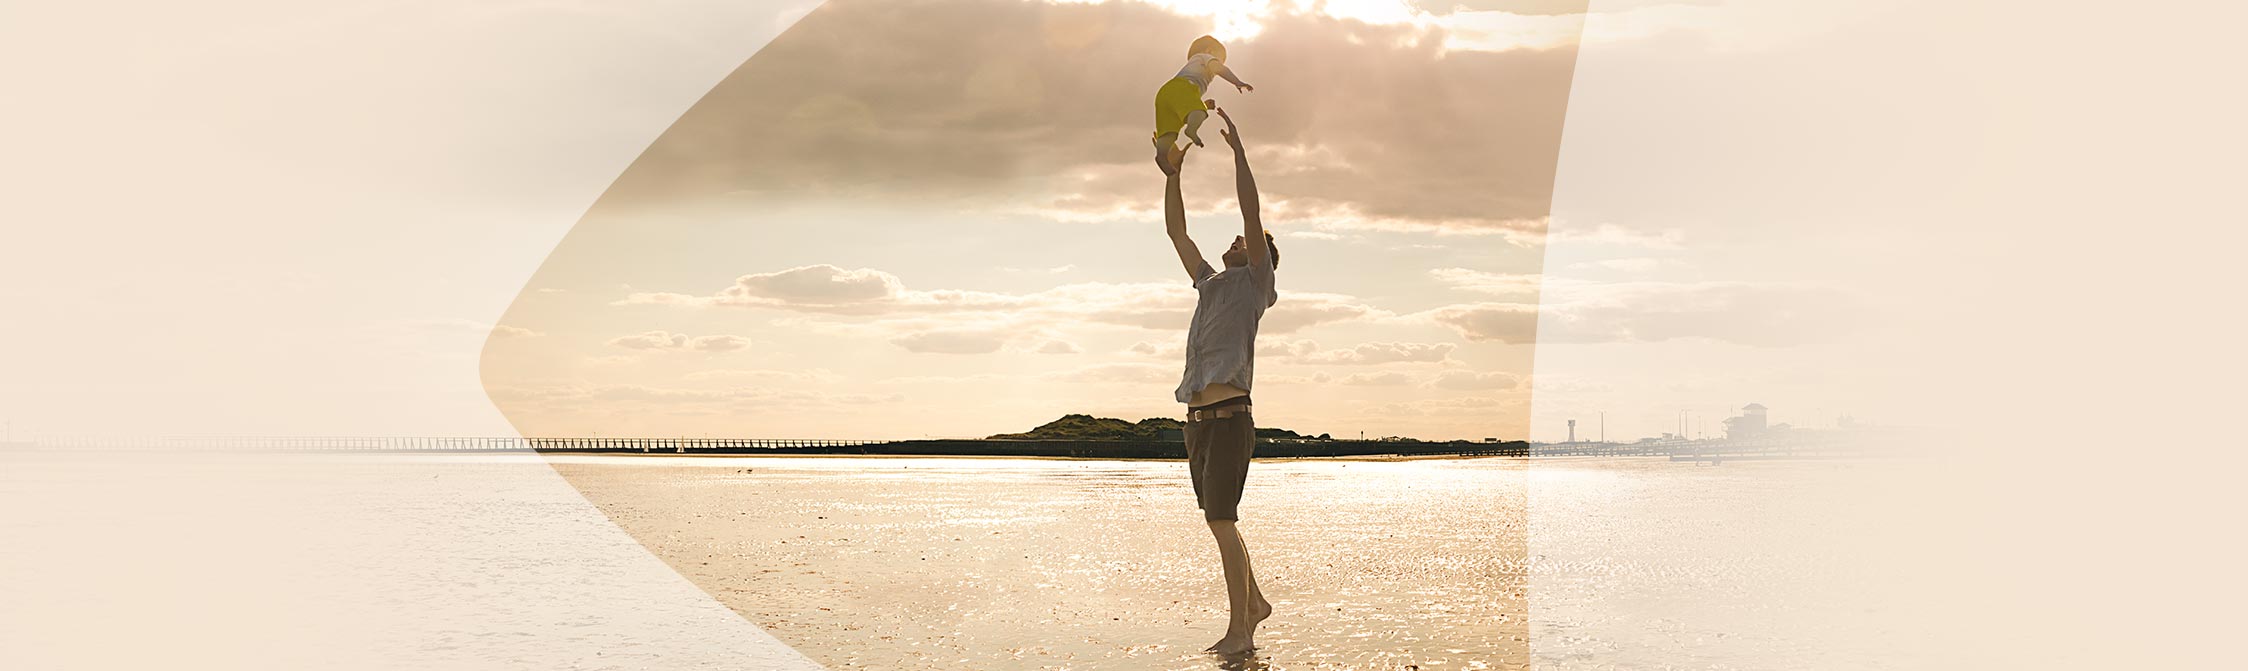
x=484, y=561
x=912, y=563
x=1653, y=564
x=995, y=564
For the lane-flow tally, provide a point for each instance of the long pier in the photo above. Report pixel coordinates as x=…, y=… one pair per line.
x=442, y=444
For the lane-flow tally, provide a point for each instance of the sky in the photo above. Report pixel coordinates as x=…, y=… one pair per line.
x=322, y=231
x=941, y=220
x=921, y=222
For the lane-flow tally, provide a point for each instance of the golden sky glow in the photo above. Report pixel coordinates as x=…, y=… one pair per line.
x=897, y=222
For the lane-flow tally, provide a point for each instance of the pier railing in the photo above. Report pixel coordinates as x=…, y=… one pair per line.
x=440, y=444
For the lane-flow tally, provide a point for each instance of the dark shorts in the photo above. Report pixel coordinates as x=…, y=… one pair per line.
x=1217, y=455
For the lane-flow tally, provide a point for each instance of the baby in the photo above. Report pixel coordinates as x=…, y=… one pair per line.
x=1179, y=106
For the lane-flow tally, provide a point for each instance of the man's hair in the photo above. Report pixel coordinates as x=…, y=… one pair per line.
x=1273, y=251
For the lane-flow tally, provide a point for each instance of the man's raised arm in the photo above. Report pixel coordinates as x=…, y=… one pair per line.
x=1252, y=223
x=1174, y=223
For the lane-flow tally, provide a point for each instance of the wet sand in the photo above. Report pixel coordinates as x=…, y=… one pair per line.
x=907, y=563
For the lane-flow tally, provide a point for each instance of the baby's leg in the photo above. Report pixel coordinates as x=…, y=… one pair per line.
x=1194, y=125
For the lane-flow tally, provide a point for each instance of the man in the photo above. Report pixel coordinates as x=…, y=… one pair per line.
x=1220, y=346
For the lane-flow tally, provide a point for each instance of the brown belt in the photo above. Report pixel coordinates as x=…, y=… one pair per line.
x=1216, y=413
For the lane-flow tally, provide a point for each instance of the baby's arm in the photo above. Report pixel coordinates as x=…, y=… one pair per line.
x=1227, y=73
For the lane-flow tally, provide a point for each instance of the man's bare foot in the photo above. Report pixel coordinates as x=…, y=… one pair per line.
x=1233, y=645
x=1242, y=639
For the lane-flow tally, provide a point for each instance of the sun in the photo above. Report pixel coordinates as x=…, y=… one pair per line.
x=1242, y=19
x=1479, y=30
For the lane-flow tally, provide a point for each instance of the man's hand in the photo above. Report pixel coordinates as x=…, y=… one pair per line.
x=1244, y=88
x=1231, y=132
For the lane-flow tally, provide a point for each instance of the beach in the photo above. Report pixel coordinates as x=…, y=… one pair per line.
x=906, y=563
x=1493, y=563
x=459, y=561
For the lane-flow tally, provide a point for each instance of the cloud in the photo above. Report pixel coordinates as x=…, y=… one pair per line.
x=1056, y=270
x=821, y=285
x=718, y=343
x=1120, y=373
x=970, y=322
x=584, y=397
x=497, y=331
x=1510, y=323
x=1130, y=374
x=952, y=342
x=1470, y=405
x=1578, y=311
x=1321, y=377
x=1520, y=285
x=1472, y=380
x=651, y=340
x=1615, y=236
x=678, y=342
x=1383, y=379
x=1420, y=121
x=1171, y=350
x=1627, y=265
x=961, y=333
x=1296, y=311
x=830, y=289
x=1568, y=384
x=1277, y=347
x=1383, y=353
x=1059, y=347
x=814, y=375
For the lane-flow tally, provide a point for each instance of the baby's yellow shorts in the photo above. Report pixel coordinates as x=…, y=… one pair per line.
x=1173, y=102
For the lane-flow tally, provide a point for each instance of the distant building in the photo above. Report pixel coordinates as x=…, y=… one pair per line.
x=1750, y=424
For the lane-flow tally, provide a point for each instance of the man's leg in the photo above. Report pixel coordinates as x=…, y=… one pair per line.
x=1238, y=636
x=1259, y=608
x=1248, y=605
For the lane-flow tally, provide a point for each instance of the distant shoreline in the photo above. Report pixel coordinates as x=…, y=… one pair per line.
x=1283, y=448
x=1079, y=449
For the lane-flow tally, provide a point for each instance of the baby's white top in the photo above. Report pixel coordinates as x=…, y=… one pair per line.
x=1200, y=69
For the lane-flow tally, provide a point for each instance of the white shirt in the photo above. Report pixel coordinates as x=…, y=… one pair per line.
x=1221, y=342
x=1200, y=69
